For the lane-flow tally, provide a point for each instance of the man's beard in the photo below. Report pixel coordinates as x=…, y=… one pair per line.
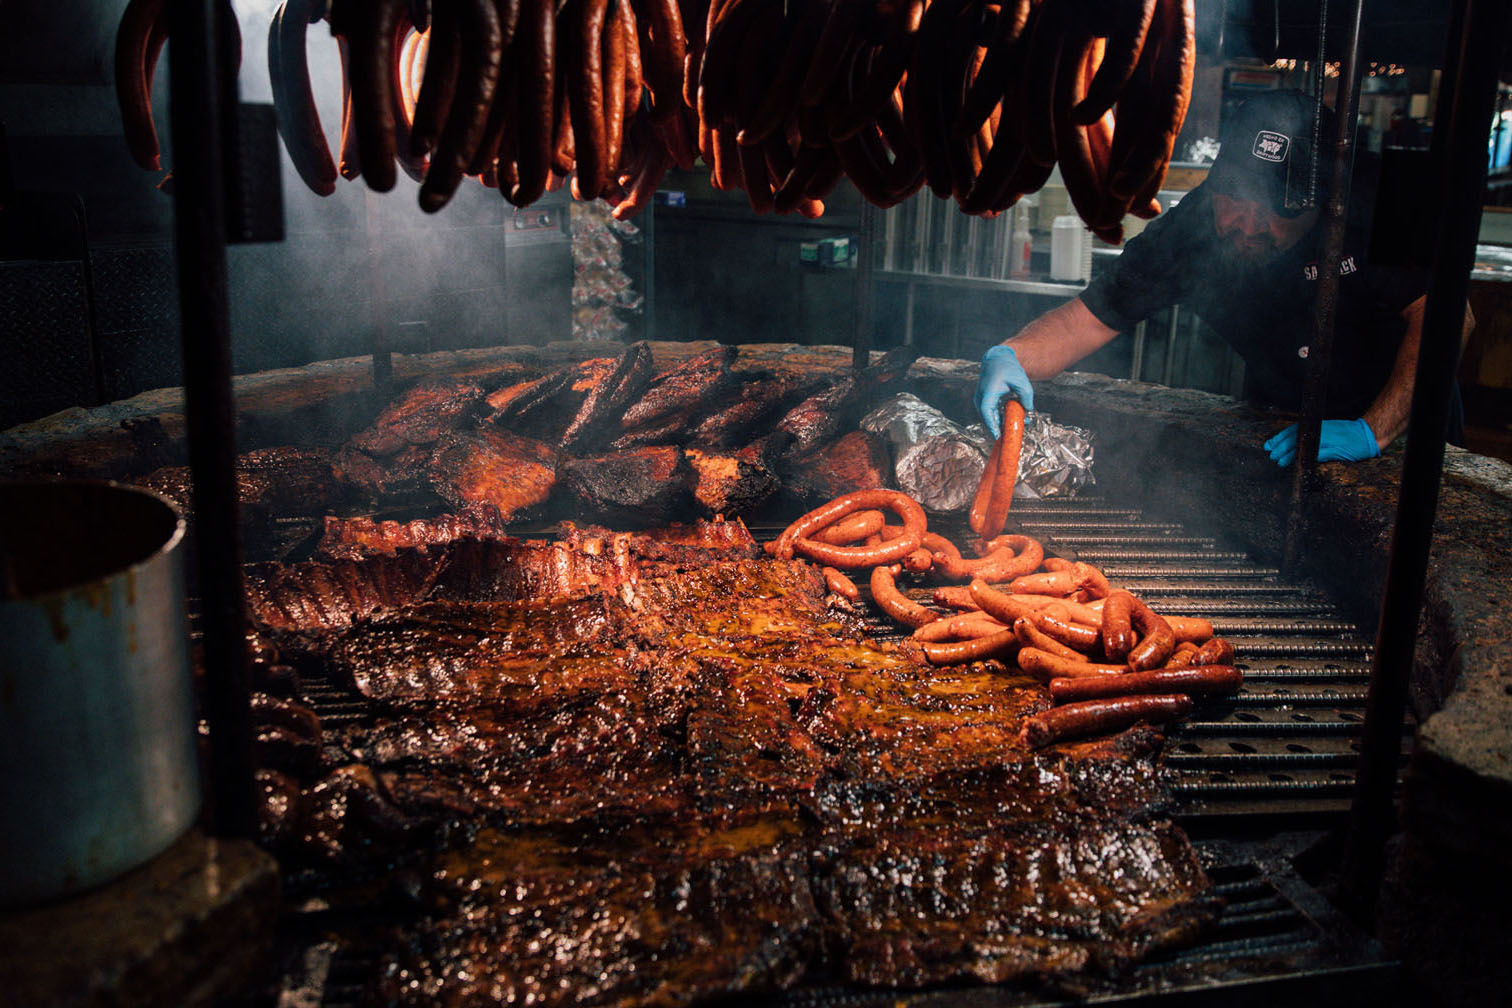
x=1252, y=250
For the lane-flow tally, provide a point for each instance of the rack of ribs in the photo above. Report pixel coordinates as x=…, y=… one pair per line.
x=683, y=772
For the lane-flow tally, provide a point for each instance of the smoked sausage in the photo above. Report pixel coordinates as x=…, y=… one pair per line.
x=1101, y=717
x=1213, y=679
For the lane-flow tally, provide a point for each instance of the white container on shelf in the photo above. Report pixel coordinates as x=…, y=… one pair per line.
x=1070, y=250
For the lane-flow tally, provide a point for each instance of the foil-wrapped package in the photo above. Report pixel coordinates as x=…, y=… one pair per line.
x=939, y=463
x=935, y=460
x=1056, y=460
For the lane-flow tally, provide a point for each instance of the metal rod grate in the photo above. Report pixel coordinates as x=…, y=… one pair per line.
x=1289, y=741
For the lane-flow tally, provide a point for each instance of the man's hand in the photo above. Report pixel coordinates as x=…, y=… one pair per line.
x=1340, y=441
x=1002, y=376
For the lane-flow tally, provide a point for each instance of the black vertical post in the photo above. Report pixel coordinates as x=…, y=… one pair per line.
x=1461, y=125
x=383, y=356
x=866, y=289
x=1325, y=307
x=198, y=114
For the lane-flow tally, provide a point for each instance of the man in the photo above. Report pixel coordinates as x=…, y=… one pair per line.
x=1242, y=251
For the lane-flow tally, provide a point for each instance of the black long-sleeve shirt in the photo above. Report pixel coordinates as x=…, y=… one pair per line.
x=1266, y=312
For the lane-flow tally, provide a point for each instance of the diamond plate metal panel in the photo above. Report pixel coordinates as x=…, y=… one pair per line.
x=136, y=297
x=48, y=364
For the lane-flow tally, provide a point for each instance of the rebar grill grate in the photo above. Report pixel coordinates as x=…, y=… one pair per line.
x=1287, y=744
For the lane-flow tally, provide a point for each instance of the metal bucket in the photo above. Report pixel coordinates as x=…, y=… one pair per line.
x=98, y=764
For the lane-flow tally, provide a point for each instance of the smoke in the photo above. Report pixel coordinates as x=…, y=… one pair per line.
x=360, y=266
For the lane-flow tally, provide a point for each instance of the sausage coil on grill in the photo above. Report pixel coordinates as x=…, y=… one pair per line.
x=1032, y=636
x=1216, y=651
x=1055, y=622
x=1006, y=557
x=1101, y=717
x=839, y=584
x=1156, y=641
x=852, y=528
x=962, y=626
x=914, y=520
x=1118, y=636
x=997, y=645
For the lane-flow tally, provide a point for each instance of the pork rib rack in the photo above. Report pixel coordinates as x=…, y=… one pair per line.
x=674, y=770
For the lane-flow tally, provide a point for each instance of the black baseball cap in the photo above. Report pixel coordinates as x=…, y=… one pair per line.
x=1267, y=151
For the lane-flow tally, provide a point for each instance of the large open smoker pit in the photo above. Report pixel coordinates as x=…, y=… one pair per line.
x=1255, y=815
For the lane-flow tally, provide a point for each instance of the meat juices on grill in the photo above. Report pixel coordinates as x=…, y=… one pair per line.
x=512, y=474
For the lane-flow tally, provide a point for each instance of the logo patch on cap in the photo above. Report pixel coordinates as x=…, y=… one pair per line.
x=1271, y=146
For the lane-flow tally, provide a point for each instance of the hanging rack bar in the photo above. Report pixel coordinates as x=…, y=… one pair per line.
x=199, y=103
x=1478, y=32
x=1325, y=308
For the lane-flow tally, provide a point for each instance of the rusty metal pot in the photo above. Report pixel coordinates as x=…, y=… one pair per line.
x=98, y=765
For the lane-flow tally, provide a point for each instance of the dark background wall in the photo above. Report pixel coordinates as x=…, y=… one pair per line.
x=349, y=265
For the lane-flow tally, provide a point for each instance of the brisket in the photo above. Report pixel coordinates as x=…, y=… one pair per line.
x=822, y=416
x=726, y=484
x=420, y=417
x=596, y=421
x=280, y=480
x=634, y=487
x=573, y=405
x=677, y=398
x=857, y=461
x=514, y=475
x=400, y=477
x=763, y=399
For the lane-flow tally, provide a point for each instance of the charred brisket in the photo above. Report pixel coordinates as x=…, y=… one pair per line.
x=514, y=475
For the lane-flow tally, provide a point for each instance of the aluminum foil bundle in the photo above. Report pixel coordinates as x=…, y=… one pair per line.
x=936, y=461
x=1056, y=460
x=939, y=463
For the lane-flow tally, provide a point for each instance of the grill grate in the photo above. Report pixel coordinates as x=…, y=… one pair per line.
x=1299, y=714
x=1287, y=744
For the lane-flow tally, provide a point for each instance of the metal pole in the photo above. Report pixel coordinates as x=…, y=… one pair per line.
x=861, y=335
x=1325, y=308
x=1462, y=119
x=198, y=108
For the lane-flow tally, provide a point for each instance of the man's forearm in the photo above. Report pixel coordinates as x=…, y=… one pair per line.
x=1058, y=339
x=1388, y=415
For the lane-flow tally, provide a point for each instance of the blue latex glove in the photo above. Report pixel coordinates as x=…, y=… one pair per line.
x=1002, y=375
x=1340, y=441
